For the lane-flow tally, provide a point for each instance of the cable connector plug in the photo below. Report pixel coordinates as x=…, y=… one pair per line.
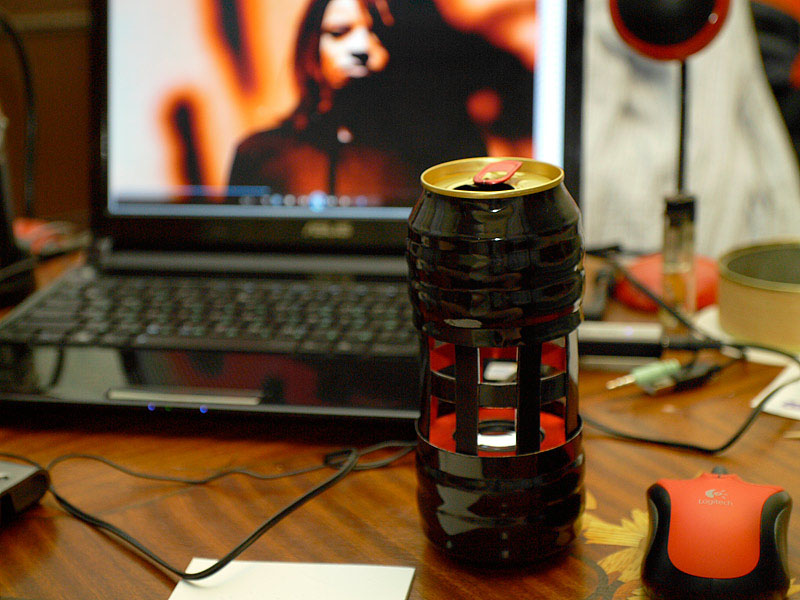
x=688, y=377
x=663, y=376
x=647, y=375
x=673, y=342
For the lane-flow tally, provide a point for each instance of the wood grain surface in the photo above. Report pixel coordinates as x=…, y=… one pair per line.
x=368, y=518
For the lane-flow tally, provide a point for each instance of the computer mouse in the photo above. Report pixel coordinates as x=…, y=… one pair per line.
x=716, y=536
x=21, y=486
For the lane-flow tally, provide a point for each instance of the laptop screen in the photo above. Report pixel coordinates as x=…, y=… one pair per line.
x=312, y=120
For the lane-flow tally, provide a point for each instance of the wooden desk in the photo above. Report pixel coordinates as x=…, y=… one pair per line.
x=370, y=517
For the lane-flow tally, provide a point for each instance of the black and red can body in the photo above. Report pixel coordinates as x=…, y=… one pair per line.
x=495, y=257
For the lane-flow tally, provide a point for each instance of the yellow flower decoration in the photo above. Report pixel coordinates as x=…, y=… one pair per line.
x=630, y=533
x=625, y=565
x=591, y=501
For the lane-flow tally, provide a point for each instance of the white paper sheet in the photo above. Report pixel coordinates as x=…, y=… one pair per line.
x=786, y=401
x=248, y=580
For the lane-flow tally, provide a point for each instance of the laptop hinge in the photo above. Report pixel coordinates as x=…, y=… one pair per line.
x=245, y=263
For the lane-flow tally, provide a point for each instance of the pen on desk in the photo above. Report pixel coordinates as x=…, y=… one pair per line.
x=601, y=338
x=646, y=340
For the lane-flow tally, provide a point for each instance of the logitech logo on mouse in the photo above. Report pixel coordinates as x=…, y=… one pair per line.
x=719, y=497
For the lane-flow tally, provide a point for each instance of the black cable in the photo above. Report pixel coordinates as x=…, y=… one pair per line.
x=711, y=450
x=344, y=461
x=704, y=342
x=333, y=459
x=31, y=120
x=184, y=480
x=634, y=281
x=16, y=268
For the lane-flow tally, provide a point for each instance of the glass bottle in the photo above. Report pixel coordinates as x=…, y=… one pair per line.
x=678, y=270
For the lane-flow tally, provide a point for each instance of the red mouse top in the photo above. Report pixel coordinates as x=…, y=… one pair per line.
x=715, y=524
x=716, y=536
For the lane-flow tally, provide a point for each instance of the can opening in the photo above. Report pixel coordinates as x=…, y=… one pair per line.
x=489, y=177
x=496, y=187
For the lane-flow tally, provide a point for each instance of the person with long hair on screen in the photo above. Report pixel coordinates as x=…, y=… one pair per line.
x=345, y=137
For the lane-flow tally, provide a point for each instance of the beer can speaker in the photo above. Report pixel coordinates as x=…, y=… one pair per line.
x=495, y=258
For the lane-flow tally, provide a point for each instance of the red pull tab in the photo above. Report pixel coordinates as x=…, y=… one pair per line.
x=501, y=171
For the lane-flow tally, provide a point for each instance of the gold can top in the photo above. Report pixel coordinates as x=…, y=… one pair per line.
x=491, y=177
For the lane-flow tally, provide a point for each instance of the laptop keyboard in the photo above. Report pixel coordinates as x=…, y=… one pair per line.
x=218, y=314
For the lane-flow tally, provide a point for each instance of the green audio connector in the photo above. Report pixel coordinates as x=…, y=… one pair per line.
x=646, y=375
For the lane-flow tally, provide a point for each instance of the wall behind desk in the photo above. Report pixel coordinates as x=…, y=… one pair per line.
x=55, y=34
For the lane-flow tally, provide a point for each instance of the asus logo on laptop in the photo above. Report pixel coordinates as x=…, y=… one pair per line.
x=328, y=230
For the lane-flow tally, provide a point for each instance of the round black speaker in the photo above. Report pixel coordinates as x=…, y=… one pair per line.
x=668, y=29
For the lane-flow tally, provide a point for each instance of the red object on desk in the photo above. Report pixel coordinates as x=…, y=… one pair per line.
x=647, y=270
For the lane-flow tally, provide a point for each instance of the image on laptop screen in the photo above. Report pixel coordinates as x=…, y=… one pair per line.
x=323, y=108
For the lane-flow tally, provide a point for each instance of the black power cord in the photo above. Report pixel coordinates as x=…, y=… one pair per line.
x=700, y=341
x=31, y=120
x=24, y=265
x=343, y=461
x=16, y=279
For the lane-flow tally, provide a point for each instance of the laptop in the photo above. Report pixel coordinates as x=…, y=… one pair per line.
x=255, y=164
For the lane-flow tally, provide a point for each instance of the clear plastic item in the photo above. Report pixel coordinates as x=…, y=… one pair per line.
x=679, y=283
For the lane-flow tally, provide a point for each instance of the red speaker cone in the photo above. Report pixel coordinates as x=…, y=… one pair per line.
x=668, y=29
